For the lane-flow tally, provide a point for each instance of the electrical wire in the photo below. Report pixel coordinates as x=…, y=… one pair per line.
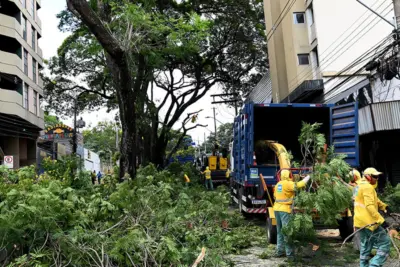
x=334, y=49
x=273, y=26
x=352, y=76
x=279, y=23
x=332, y=57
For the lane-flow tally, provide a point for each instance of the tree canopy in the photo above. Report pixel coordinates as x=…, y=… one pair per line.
x=153, y=60
x=102, y=139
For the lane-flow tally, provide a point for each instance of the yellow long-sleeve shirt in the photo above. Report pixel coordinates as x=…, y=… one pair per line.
x=284, y=193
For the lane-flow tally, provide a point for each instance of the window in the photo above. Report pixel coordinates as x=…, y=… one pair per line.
x=24, y=26
x=26, y=101
x=34, y=39
x=35, y=94
x=299, y=18
x=34, y=70
x=303, y=59
x=26, y=62
x=24, y=3
x=33, y=8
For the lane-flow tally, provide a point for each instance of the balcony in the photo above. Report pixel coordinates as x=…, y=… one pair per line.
x=9, y=61
x=38, y=21
x=40, y=52
x=11, y=103
x=11, y=64
x=9, y=24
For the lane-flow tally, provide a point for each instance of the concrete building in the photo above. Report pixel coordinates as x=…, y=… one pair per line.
x=21, y=88
x=311, y=55
x=316, y=39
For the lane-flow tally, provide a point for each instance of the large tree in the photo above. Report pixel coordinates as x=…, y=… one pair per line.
x=153, y=60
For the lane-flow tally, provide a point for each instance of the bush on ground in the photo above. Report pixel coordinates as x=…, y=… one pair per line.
x=59, y=218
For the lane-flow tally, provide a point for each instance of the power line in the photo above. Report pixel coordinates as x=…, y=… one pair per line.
x=335, y=48
x=274, y=27
x=331, y=57
x=352, y=76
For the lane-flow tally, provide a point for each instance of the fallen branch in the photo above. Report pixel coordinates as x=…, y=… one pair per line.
x=347, y=238
x=114, y=226
x=200, y=257
x=393, y=243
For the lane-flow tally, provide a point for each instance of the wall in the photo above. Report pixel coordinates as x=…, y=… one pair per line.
x=91, y=161
x=333, y=18
x=288, y=40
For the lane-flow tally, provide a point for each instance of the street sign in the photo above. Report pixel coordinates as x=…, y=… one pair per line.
x=9, y=162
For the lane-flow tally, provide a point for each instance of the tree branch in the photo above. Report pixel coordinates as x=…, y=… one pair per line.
x=93, y=22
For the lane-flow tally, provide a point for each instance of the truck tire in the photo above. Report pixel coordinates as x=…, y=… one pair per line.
x=346, y=227
x=272, y=234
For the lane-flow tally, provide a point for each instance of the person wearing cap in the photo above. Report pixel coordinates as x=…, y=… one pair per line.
x=356, y=179
x=284, y=193
x=368, y=219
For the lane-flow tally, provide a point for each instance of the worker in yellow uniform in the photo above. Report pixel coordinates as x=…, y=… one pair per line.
x=284, y=193
x=187, y=180
x=356, y=179
x=207, y=174
x=366, y=216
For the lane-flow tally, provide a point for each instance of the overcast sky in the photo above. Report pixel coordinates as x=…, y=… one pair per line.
x=53, y=38
x=336, y=22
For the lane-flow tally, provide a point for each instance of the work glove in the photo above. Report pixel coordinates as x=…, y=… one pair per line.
x=388, y=210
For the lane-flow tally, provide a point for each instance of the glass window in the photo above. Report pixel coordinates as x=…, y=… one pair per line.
x=24, y=26
x=35, y=94
x=34, y=70
x=33, y=8
x=304, y=59
x=26, y=101
x=299, y=18
x=34, y=39
x=24, y=3
x=26, y=62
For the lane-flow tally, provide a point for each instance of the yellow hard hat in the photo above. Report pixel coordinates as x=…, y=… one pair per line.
x=354, y=174
x=371, y=171
x=285, y=175
x=207, y=168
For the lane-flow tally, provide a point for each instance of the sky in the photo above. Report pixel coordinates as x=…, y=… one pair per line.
x=334, y=23
x=53, y=38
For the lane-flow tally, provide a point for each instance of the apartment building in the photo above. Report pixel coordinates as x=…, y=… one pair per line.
x=317, y=39
x=311, y=55
x=21, y=88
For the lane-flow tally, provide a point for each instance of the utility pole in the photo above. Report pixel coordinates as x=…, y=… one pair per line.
x=234, y=100
x=75, y=141
x=215, y=125
x=396, y=4
x=205, y=144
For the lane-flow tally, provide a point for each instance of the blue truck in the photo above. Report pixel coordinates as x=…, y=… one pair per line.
x=252, y=174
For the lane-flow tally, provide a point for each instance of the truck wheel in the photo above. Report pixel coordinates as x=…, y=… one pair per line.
x=272, y=233
x=357, y=242
x=346, y=227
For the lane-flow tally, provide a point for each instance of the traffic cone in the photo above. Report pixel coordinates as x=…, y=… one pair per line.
x=254, y=159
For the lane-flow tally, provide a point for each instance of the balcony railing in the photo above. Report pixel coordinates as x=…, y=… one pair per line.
x=11, y=23
x=10, y=59
x=39, y=51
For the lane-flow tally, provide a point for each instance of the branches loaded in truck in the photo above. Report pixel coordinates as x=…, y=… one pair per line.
x=282, y=122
